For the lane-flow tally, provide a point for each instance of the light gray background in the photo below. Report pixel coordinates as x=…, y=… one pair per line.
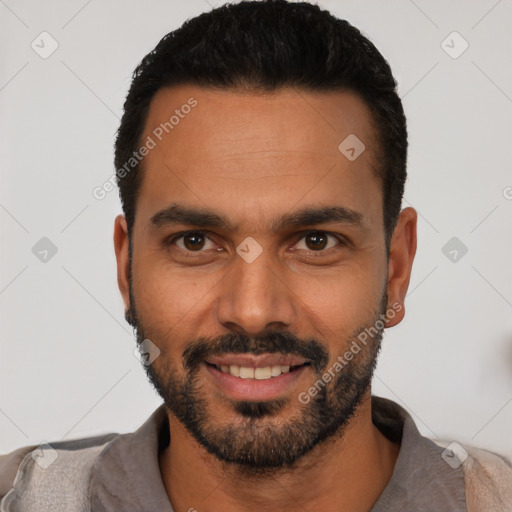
x=67, y=367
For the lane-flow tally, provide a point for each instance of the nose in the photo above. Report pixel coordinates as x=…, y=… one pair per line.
x=254, y=297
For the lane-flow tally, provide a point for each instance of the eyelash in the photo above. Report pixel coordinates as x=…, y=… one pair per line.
x=311, y=254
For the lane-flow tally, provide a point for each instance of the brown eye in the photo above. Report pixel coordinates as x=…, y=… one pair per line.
x=317, y=241
x=192, y=241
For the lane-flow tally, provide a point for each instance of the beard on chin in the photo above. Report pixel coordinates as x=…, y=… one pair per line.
x=258, y=439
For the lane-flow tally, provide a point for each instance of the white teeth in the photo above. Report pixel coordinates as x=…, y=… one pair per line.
x=263, y=373
x=276, y=371
x=245, y=372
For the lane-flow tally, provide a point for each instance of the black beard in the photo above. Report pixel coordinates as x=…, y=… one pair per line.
x=259, y=440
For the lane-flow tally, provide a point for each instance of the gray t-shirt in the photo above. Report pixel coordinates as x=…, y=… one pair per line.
x=119, y=472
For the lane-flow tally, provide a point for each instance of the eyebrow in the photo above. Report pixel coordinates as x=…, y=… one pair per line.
x=205, y=218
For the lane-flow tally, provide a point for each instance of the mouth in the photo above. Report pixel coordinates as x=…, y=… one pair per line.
x=257, y=373
x=262, y=377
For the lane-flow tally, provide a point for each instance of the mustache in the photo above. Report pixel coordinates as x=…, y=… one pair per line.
x=270, y=342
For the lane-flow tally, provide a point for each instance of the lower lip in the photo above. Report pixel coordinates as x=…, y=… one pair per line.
x=254, y=389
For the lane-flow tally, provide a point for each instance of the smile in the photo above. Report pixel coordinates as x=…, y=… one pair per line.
x=256, y=377
x=262, y=373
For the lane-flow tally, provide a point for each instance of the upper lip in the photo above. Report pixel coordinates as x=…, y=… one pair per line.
x=257, y=361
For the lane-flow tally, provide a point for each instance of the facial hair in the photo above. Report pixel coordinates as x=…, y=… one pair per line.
x=259, y=439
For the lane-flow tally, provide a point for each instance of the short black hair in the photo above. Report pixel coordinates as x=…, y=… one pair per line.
x=263, y=46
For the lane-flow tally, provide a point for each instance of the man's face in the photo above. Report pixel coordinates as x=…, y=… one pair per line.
x=250, y=315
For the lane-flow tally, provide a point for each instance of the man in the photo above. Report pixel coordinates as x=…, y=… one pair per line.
x=261, y=161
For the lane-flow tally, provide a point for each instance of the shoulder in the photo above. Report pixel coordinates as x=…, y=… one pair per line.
x=487, y=476
x=9, y=464
x=70, y=452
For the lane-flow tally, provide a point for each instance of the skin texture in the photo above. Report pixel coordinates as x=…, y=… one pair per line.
x=252, y=158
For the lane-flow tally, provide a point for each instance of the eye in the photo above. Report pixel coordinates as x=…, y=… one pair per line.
x=191, y=241
x=318, y=241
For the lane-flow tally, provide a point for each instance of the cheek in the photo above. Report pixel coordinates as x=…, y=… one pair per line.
x=339, y=303
x=169, y=300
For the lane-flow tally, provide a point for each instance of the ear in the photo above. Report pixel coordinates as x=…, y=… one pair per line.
x=401, y=255
x=121, y=242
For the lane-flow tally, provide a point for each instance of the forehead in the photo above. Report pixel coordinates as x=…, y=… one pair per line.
x=253, y=156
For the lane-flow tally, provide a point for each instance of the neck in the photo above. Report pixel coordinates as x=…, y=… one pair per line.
x=347, y=472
